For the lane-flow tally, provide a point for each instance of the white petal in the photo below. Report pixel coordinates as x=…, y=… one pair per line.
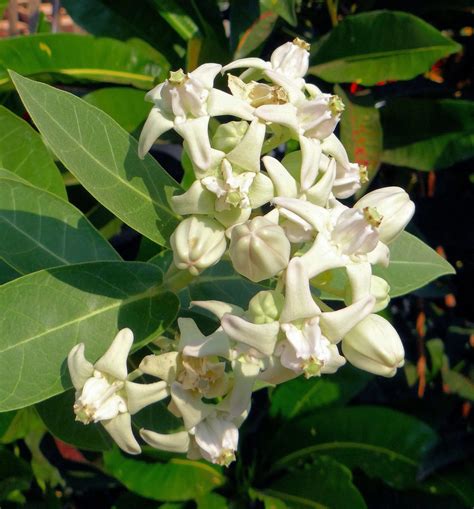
x=173, y=442
x=283, y=182
x=275, y=372
x=206, y=74
x=261, y=191
x=262, y=337
x=335, y=361
x=141, y=395
x=322, y=256
x=189, y=333
x=114, y=360
x=196, y=200
x=120, y=429
x=320, y=192
x=282, y=114
x=380, y=255
x=299, y=302
x=311, y=154
x=156, y=124
x=80, y=369
x=291, y=86
x=245, y=375
x=316, y=216
x=215, y=344
x=251, y=62
x=221, y=103
x=359, y=275
x=336, y=324
x=195, y=134
x=218, y=308
x=191, y=408
x=162, y=366
x=246, y=155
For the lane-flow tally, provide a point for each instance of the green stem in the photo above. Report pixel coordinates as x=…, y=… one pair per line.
x=176, y=279
x=332, y=8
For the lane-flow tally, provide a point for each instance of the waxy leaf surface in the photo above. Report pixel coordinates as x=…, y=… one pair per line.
x=104, y=158
x=46, y=313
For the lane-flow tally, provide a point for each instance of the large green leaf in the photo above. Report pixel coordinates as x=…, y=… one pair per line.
x=126, y=106
x=428, y=134
x=80, y=57
x=39, y=230
x=22, y=151
x=377, y=46
x=326, y=484
x=382, y=442
x=58, y=416
x=103, y=157
x=413, y=264
x=115, y=18
x=284, y=8
x=179, y=479
x=46, y=313
x=301, y=396
x=3, y=6
x=361, y=131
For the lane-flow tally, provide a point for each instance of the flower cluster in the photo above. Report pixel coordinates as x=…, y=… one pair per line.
x=279, y=221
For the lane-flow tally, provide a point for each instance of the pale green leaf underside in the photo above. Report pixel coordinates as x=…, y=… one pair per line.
x=46, y=313
x=104, y=158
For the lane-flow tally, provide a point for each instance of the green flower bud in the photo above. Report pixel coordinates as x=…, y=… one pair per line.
x=259, y=249
x=266, y=306
x=228, y=136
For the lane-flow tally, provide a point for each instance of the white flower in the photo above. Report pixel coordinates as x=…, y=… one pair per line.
x=197, y=243
x=196, y=364
x=349, y=176
x=395, y=207
x=311, y=336
x=374, y=346
x=103, y=393
x=185, y=102
x=290, y=60
x=344, y=235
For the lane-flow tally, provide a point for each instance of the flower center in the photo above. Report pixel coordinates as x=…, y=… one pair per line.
x=363, y=174
x=177, y=77
x=372, y=216
x=301, y=44
x=261, y=94
x=336, y=106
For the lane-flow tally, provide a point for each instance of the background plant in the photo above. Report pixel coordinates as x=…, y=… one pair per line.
x=406, y=89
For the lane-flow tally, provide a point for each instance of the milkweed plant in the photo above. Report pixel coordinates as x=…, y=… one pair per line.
x=283, y=221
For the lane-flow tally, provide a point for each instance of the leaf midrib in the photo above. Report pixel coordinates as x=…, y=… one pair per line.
x=342, y=445
x=378, y=54
x=294, y=498
x=150, y=292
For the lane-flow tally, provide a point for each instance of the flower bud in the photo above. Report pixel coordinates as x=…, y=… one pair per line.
x=380, y=289
x=291, y=59
x=229, y=135
x=395, y=207
x=197, y=243
x=266, y=306
x=374, y=346
x=377, y=287
x=259, y=249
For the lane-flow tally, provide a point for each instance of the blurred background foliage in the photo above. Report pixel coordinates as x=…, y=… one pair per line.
x=351, y=440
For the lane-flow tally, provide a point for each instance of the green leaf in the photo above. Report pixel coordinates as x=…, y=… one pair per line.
x=6, y=419
x=177, y=17
x=15, y=474
x=377, y=46
x=22, y=151
x=361, y=131
x=80, y=57
x=436, y=349
x=24, y=422
x=179, y=479
x=219, y=282
x=115, y=18
x=413, y=264
x=284, y=8
x=458, y=481
x=40, y=230
x=212, y=501
x=357, y=437
x=269, y=502
x=300, y=396
x=46, y=313
x=323, y=485
x=126, y=106
x=256, y=33
x=440, y=133
x=104, y=158
x=7, y=273
x=58, y=416
x=3, y=6
x=458, y=384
